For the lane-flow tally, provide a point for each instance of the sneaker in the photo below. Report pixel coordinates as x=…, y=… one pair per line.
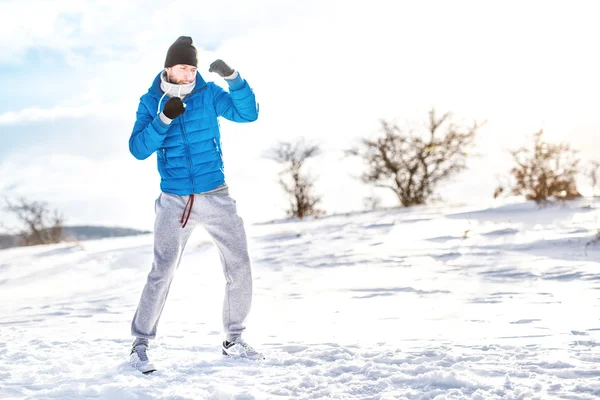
x=239, y=348
x=139, y=359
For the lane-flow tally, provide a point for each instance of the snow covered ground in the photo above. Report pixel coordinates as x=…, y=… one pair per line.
x=421, y=303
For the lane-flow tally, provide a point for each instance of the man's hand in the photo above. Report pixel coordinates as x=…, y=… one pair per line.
x=173, y=108
x=221, y=68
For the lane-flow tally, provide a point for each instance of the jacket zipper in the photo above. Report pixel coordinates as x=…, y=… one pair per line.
x=187, y=147
x=187, y=152
x=164, y=151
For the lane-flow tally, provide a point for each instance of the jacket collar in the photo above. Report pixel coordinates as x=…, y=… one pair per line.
x=156, y=90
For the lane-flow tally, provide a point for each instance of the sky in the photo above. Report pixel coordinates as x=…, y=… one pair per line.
x=72, y=74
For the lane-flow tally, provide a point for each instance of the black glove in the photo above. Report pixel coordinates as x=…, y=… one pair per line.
x=173, y=108
x=221, y=68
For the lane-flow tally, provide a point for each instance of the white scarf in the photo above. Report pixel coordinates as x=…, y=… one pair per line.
x=173, y=89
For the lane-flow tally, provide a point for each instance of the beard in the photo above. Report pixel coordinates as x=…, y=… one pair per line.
x=172, y=79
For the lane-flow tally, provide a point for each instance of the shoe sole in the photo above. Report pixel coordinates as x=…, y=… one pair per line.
x=246, y=358
x=149, y=372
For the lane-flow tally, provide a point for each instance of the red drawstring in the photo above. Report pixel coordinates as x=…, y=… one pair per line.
x=190, y=202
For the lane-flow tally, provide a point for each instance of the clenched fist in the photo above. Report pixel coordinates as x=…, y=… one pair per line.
x=221, y=68
x=173, y=108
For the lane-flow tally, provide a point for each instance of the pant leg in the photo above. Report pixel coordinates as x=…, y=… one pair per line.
x=221, y=220
x=169, y=242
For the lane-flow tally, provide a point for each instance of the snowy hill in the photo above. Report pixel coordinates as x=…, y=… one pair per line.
x=81, y=232
x=420, y=303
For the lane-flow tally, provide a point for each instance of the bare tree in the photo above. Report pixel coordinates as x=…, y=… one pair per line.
x=297, y=183
x=39, y=224
x=593, y=175
x=371, y=202
x=549, y=170
x=413, y=165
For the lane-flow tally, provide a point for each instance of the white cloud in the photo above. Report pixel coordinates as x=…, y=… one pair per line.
x=37, y=114
x=329, y=70
x=108, y=191
x=116, y=28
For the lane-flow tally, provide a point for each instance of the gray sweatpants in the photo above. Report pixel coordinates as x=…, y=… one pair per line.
x=215, y=211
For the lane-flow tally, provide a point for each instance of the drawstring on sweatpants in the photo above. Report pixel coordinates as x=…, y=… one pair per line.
x=190, y=202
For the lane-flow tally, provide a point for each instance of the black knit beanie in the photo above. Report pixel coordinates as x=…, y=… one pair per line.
x=182, y=51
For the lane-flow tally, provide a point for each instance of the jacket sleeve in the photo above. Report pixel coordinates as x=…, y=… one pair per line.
x=237, y=105
x=148, y=133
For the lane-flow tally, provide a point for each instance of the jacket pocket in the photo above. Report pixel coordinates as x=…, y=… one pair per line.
x=218, y=149
x=162, y=154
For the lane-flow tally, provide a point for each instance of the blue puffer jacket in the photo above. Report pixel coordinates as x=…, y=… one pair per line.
x=188, y=150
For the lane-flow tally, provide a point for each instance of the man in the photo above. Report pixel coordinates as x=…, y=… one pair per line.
x=183, y=131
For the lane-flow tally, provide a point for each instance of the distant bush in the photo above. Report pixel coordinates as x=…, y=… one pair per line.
x=412, y=165
x=295, y=181
x=371, y=202
x=39, y=224
x=548, y=170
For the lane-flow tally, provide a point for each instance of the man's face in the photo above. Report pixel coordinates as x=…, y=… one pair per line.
x=181, y=74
